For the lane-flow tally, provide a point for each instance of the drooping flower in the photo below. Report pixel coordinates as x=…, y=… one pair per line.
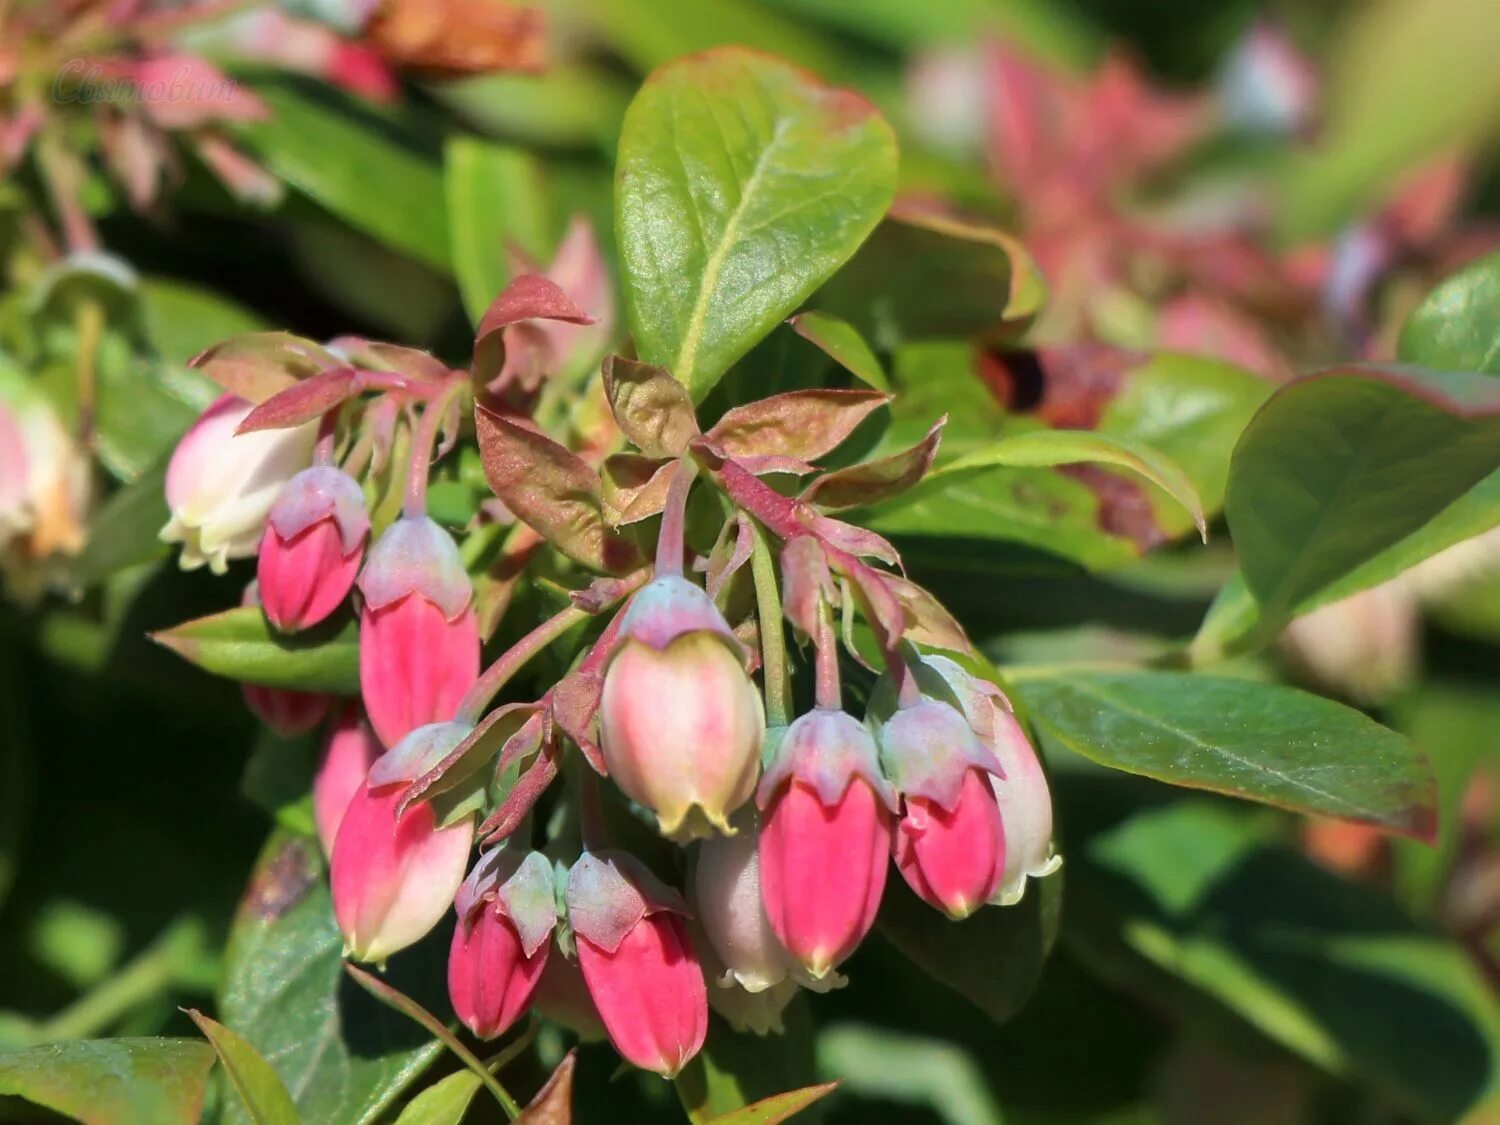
x=348, y=753
x=638, y=960
x=727, y=903
x=44, y=480
x=680, y=720
x=950, y=843
x=394, y=874
x=825, y=838
x=310, y=551
x=221, y=485
x=506, y=914
x=418, y=634
x=286, y=711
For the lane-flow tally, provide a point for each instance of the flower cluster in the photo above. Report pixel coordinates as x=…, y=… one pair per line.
x=780, y=829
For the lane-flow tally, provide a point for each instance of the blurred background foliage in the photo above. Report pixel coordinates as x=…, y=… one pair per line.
x=1213, y=962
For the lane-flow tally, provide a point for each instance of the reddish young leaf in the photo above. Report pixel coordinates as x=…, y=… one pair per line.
x=551, y=489
x=928, y=620
x=303, y=401
x=493, y=734
x=805, y=582
x=504, y=329
x=257, y=365
x=529, y=786
x=860, y=541
x=800, y=424
x=860, y=486
x=651, y=408
x=553, y=1104
x=635, y=487
x=410, y=362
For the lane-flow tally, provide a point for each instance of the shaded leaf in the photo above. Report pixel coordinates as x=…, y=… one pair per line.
x=736, y=1069
x=442, y=1103
x=743, y=183
x=993, y=958
x=924, y=276
x=842, y=343
x=258, y=1087
x=240, y=644
x=1262, y=742
x=552, y=490
x=776, y=1108
x=113, y=1081
x=342, y=1056
x=260, y=364
x=1338, y=466
x=553, y=1104
x=125, y=529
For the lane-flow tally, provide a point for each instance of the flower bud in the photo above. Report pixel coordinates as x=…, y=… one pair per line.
x=221, y=485
x=310, y=551
x=1021, y=787
x=949, y=845
x=348, y=753
x=506, y=914
x=680, y=720
x=638, y=961
x=395, y=873
x=727, y=903
x=825, y=838
x=418, y=635
x=289, y=713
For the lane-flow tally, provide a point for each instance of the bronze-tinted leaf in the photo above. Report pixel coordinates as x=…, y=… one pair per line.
x=651, y=408
x=801, y=424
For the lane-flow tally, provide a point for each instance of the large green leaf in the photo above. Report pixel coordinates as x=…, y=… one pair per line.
x=180, y=320
x=240, y=644
x=378, y=171
x=113, y=1081
x=1234, y=616
x=1457, y=327
x=1327, y=968
x=497, y=203
x=1263, y=742
x=1339, y=466
x=993, y=958
x=342, y=1055
x=125, y=530
x=742, y=184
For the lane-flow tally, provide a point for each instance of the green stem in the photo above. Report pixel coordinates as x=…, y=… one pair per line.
x=513, y=659
x=89, y=326
x=772, y=638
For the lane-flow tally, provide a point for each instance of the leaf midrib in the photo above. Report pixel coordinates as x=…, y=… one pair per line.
x=713, y=265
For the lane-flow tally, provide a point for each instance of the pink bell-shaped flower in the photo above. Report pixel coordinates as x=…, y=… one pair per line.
x=506, y=914
x=285, y=710
x=394, y=874
x=680, y=720
x=638, y=960
x=418, y=634
x=950, y=844
x=310, y=551
x=825, y=838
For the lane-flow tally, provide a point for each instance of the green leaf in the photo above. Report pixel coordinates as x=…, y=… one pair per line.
x=182, y=319
x=376, y=170
x=240, y=644
x=1191, y=409
x=1457, y=326
x=736, y=1069
x=260, y=1090
x=1340, y=465
x=442, y=1103
x=113, y=1081
x=1327, y=968
x=1044, y=448
x=125, y=529
x=1262, y=742
x=993, y=958
x=568, y=105
x=924, y=276
x=776, y=1108
x=497, y=202
x=342, y=1056
x=742, y=184
x=843, y=343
